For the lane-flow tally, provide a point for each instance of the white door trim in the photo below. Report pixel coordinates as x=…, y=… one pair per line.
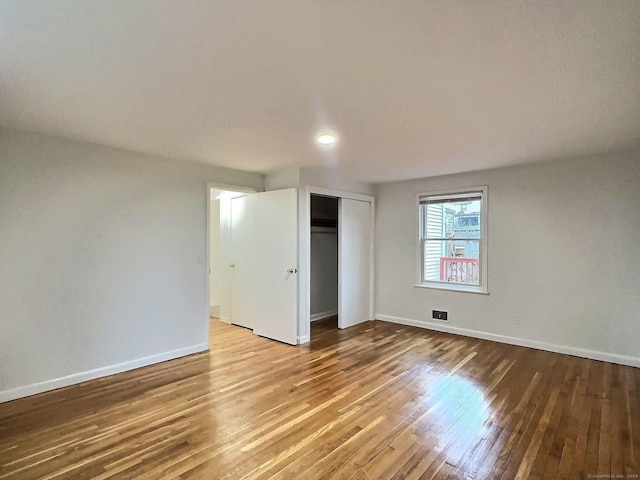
x=305, y=304
x=338, y=194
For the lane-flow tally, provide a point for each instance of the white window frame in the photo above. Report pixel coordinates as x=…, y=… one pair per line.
x=482, y=287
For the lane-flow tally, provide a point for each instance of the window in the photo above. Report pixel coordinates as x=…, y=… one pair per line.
x=453, y=240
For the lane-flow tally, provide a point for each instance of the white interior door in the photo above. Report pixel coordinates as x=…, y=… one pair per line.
x=354, y=262
x=242, y=261
x=276, y=287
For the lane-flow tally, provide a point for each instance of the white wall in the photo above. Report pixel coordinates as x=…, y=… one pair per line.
x=289, y=178
x=564, y=258
x=215, y=275
x=334, y=178
x=324, y=273
x=102, y=260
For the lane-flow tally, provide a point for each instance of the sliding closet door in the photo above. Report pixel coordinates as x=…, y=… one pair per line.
x=354, y=262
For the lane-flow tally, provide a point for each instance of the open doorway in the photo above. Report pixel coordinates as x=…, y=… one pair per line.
x=252, y=241
x=228, y=238
x=324, y=264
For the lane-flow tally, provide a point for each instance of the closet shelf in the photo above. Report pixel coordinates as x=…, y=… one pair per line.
x=323, y=222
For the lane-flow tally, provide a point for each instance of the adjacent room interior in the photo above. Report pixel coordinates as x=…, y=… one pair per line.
x=228, y=245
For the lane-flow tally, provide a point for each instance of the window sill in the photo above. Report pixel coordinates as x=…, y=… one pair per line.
x=453, y=288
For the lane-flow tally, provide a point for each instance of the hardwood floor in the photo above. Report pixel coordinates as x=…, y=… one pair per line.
x=322, y=326
x=374, y=401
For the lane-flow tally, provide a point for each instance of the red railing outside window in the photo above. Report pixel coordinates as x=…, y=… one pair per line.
x=459, y=270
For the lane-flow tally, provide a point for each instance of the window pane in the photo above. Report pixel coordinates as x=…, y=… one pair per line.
x=452, y=261
x=453, y=219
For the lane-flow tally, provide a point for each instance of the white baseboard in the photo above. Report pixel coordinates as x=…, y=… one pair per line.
x=321, y=315
x=35, y=388
x=303, y=339
x=522, y=342
x=214, y=311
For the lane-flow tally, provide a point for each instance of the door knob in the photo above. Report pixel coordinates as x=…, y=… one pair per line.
x=232, y=265
x=291, y=271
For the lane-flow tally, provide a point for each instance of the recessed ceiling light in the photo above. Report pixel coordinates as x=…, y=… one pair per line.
x=327, y=139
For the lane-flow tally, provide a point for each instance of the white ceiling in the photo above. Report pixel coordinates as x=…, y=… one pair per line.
x=413, y=88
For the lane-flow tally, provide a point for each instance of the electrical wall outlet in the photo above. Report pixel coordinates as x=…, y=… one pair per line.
x=439, y=315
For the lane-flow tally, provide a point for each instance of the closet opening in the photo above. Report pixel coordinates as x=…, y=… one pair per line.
x=324, y=264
